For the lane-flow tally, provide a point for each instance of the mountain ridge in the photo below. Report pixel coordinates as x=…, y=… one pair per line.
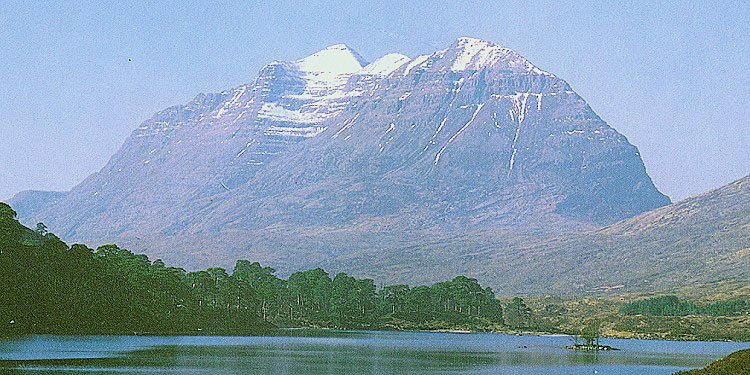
x=301, y=166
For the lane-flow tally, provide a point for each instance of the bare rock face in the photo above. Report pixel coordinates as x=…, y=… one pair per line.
x=400, y=151
x=456, y=131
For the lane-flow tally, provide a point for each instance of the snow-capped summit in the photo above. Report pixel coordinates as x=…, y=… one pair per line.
x=336, y=59
x=312, y=90
x=474, y=54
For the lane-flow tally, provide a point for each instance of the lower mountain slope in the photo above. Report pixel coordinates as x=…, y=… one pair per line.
x=701, y=243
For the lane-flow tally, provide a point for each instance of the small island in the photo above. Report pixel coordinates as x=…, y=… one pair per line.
x=588, y=339
x=587, y=347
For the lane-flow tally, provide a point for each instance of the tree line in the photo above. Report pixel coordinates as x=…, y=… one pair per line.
x=50, y=287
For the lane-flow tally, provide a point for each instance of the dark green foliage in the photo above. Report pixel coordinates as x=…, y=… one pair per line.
x=662, y=305
x=49, y=287
x=312, y=298
x=727, y=308
x=517, y=314
x=674, y=306
x=454, y=300
x=6, y=212
x=352, y=301
x=264, y=286
x=310, y=295
x=591, y=333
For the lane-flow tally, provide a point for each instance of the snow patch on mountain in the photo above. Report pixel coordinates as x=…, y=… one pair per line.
x=385, y=65
x=327, y=71
x=336, y=59
x=475, y=54
x=458, y=133
x=419, y=60
x=273, y=111
x=288, y=131
x=324, y=74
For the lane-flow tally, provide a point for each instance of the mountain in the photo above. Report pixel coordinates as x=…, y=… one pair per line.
x=323, y=158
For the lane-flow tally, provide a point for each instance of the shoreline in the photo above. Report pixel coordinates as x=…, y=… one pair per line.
x=291, y=329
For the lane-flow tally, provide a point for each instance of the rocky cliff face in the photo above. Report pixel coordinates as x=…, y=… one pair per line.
x=399, y=151
x=467, y=131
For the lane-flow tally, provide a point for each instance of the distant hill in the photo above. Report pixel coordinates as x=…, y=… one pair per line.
x=701, y=243
x=33, y=202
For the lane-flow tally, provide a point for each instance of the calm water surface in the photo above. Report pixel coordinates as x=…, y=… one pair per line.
x=349, y=352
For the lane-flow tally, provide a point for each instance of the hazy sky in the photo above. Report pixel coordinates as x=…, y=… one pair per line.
x=76, y=78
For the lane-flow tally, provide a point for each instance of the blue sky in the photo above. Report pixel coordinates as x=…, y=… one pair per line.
x=77, y=77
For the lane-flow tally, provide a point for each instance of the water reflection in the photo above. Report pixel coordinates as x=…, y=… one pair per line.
x=348, y=352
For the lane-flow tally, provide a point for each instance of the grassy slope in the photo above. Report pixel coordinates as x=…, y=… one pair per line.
x=570, y=315
x=735, y=363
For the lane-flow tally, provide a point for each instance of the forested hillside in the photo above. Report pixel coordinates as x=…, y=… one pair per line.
x=49, y=287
